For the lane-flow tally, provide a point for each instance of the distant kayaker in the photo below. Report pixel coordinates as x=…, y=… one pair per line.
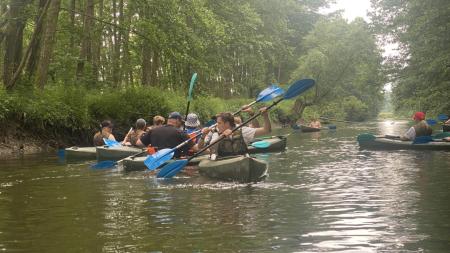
x=158, y=121
x=134, y=135
x=421, y=128
x=105, y=132
x=167, y=136
x=234, y=143
x=315, y=123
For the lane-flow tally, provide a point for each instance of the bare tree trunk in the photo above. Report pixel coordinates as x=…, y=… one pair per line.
x=146, y=64
x=117, y=73
x=36, y=43
x=13, y=40
x=51, y=22
x=86, y=43
x=27, y=54
x=72, y=22
x=97, y=44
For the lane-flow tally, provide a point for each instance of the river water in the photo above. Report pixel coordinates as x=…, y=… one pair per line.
x=322, y=195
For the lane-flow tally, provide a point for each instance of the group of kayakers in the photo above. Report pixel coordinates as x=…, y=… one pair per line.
x=177, y=129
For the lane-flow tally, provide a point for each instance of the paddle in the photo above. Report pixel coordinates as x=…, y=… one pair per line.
x=109, y=164
x=294, y=90
x=111, y=143
x=442, y=117
x=154, y=161
x=189, y=98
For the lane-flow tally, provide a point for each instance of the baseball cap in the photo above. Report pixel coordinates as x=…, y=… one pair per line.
x=175, y=115
x=419, y=116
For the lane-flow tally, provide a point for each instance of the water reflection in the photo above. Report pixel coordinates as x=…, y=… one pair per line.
x=322, y=195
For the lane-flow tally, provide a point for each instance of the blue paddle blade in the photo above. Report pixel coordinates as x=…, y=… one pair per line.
x=191, y=86
x=104, y=165
x=157, y=159
x=260, y=144
x=431, y=122
x=442, y=117
x=171, y=169
x=111, y=143
x=61, y=153
x=422, y=139
x=298, y=87
x=269, y=93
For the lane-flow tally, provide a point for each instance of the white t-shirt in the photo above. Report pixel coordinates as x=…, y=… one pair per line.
x=410, y=134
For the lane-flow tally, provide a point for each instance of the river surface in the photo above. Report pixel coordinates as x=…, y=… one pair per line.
x=322, y=195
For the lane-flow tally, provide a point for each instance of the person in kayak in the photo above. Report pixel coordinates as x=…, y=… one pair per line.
x=234, y=143
x=158, y=121
x=167, y=136
x=315, y=123
x=134, y=135
x=105, y=132
x=421, y=128
x=192, y=125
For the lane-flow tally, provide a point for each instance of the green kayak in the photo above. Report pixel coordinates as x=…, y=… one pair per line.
x=386, y=143
x=115, y=153
x=87, y=153
x=137, y=163
x=277, y=144
x=241, y=169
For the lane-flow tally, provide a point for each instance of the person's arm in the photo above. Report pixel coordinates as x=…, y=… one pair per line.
x=410, y=135
x=250, y=112
x=267, y=128
x=111, y=137
x=145, y=140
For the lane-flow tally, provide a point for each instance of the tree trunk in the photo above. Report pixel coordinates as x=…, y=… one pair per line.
x=146, y=64
x=86, y=42
x=27, y=54
x=13, y=39
x=51, y=22
x=97, y=44
x=36, y=43
x=72, y=22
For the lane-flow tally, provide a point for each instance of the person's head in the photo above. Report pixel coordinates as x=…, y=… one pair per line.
x=175, y=119
x=237, y=120
x=225, y=121
x=140, y=124
x=192, y=121
x=107, y=125
x=158, y=120
x=419, y=116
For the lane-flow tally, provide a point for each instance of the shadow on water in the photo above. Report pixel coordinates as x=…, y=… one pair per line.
x=322, y=194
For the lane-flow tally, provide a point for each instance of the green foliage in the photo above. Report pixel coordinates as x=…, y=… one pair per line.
x=344, y=60
x=420, y=72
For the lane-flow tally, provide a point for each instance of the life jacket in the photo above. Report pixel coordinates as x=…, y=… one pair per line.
x=98, y=138
x=422, y=129
x=135, y=135
x=232, y=145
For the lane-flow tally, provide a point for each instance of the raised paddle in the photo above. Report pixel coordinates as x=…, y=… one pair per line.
x=294, y=90
x=154, y=161
x=189, y=98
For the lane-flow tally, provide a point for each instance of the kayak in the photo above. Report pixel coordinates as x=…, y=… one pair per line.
x=241, y=169
x=115, y=153
x=80, y=153
x=383, y=143
x=276, y=144
x=305, y=129
x=137, y=163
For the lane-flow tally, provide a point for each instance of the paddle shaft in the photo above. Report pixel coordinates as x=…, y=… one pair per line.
x=345, y=121
x=234, y=129
x=187, y=111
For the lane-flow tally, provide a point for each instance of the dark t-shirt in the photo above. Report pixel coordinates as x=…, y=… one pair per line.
x=167, y=136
